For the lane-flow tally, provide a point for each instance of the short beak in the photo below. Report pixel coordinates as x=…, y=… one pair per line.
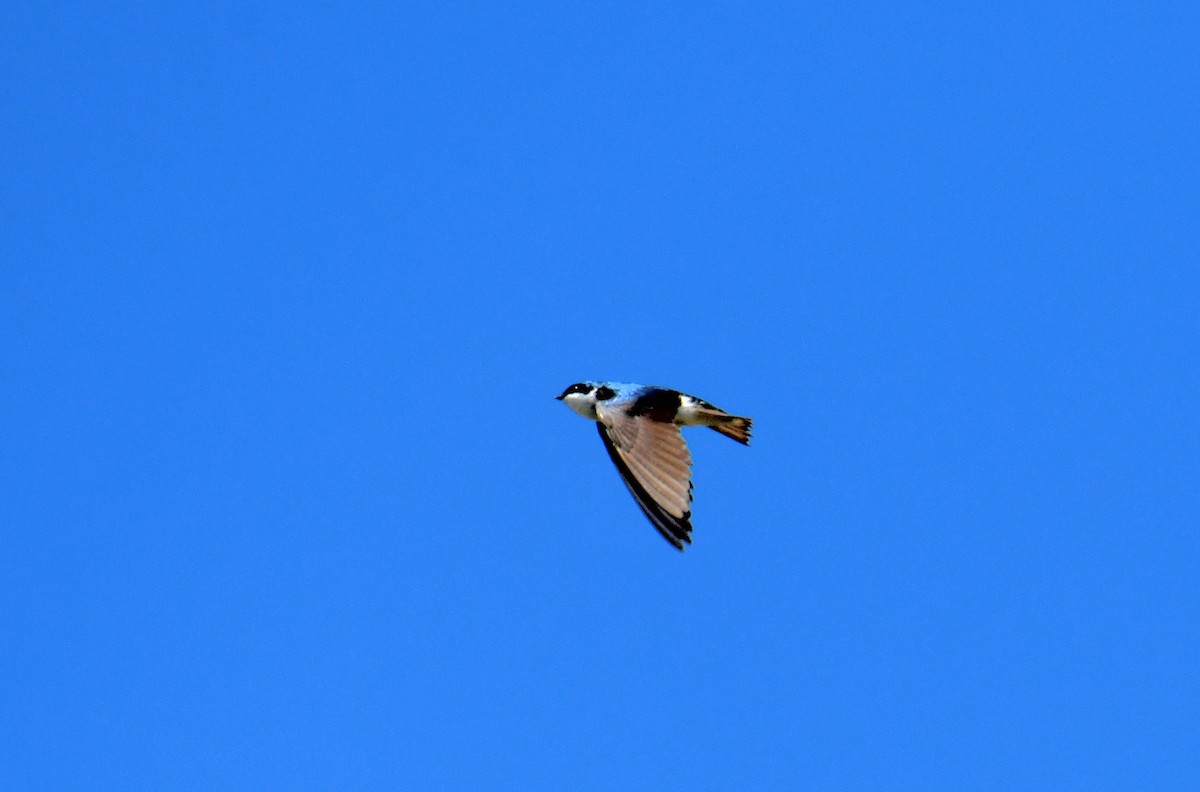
x=558, y=398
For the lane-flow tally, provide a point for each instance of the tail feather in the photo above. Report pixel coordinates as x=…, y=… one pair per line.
x=736, y=427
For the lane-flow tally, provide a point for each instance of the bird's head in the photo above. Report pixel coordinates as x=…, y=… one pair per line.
x=582, y=397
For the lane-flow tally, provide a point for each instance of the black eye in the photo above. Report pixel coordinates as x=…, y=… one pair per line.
x=604, y=393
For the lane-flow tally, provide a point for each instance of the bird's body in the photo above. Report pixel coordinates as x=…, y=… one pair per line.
x=640, y=428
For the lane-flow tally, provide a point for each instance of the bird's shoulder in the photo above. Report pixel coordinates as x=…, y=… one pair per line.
x=647, y=401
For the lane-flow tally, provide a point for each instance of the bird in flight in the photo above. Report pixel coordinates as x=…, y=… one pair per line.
x=639, y=425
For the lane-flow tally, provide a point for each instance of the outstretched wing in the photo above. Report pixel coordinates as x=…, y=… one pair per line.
x=655, y=465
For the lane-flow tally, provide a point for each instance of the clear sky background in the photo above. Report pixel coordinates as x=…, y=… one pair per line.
x=286, y=292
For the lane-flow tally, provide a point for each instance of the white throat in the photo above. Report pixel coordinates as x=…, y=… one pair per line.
x=582, y=403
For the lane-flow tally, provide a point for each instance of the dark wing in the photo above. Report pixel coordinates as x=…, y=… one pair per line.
x=655, y=465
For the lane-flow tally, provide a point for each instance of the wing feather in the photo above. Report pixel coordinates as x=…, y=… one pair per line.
x=661, y=488
x=655, y=465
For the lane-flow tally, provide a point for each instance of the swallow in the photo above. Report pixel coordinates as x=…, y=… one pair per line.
x=640, y=427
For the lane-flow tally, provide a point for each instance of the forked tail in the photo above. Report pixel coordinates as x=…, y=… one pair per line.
x=734, y=426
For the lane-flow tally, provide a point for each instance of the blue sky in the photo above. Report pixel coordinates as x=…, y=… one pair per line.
x=286, y=293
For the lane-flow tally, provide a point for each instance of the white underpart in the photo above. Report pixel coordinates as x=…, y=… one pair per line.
x=582, y=403
x=689, y=413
